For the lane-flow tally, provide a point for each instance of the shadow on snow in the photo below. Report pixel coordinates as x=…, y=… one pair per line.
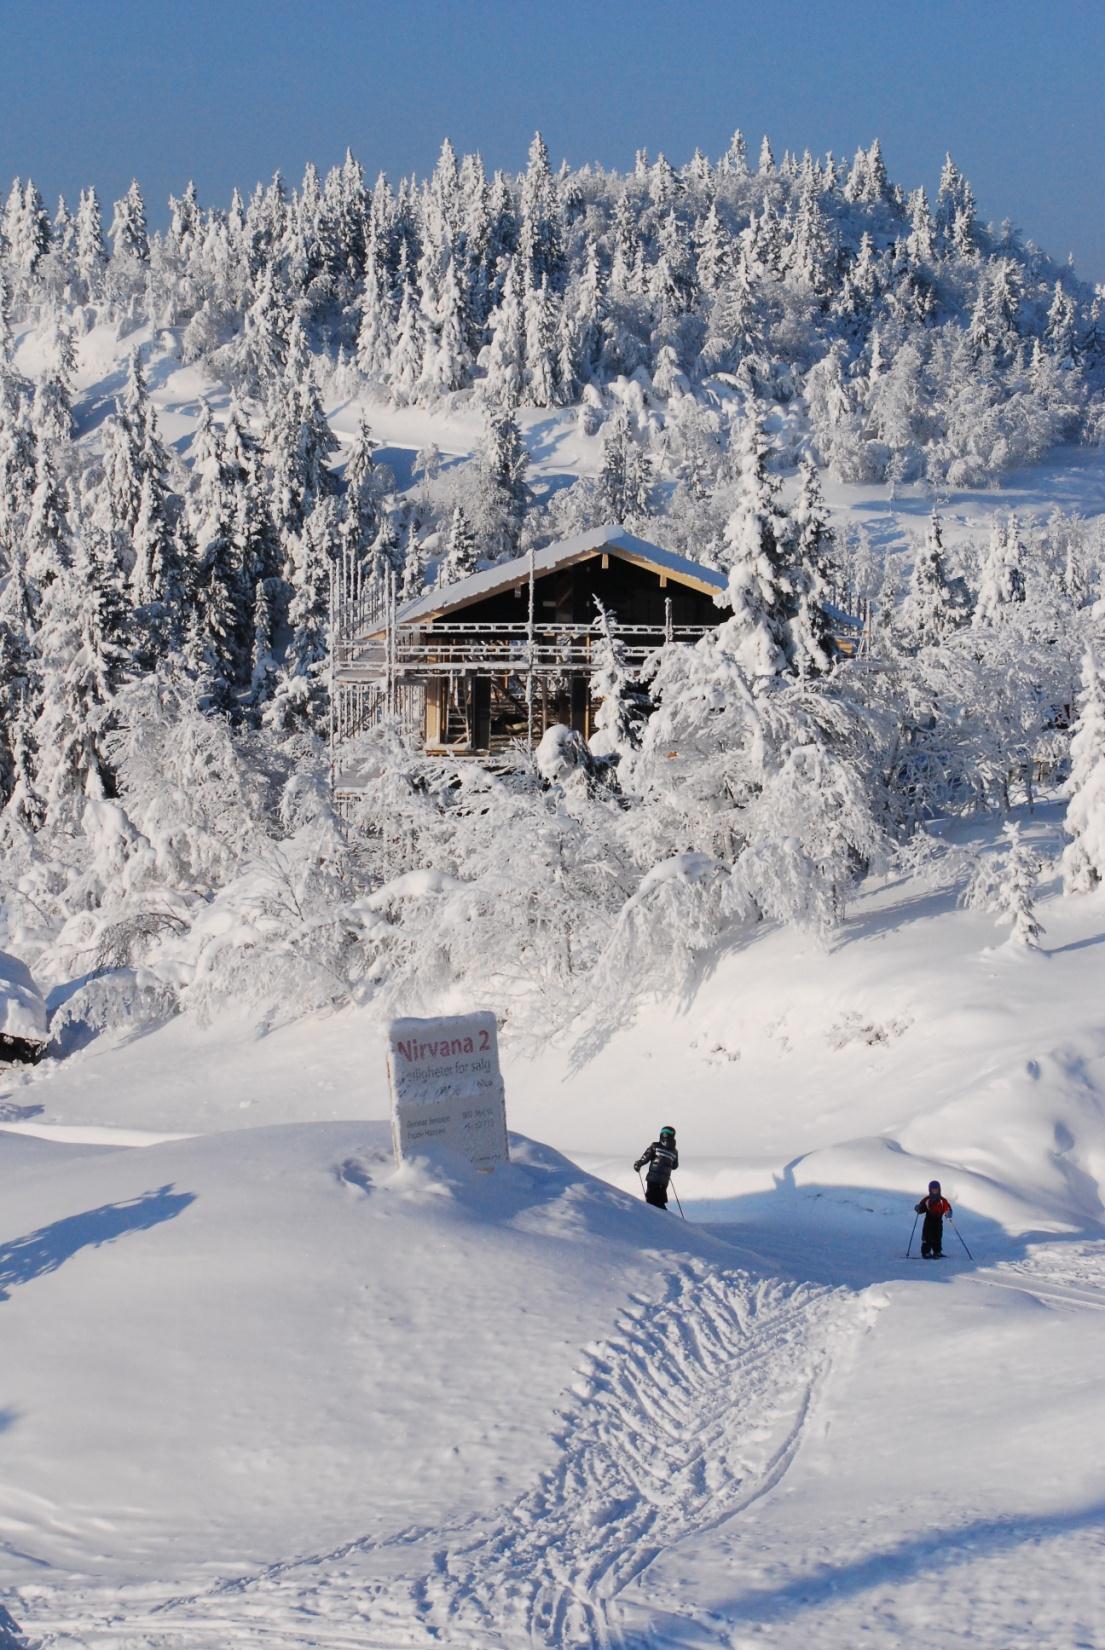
x=856, y=1236
x=24, y=1259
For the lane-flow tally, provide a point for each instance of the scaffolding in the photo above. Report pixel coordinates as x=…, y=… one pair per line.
x=423, y=674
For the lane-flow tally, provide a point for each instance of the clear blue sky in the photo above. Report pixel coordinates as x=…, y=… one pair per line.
x=226, y=91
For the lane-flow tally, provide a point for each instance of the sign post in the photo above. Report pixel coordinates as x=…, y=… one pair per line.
x=447, y=1089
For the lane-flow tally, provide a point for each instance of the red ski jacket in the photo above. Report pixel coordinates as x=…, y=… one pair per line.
x=933, y=1206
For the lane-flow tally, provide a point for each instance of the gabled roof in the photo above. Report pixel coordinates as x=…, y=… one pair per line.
x=508, y=575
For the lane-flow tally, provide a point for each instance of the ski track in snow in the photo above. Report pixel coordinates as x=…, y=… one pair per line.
x=688, y=1415
x=1057, y=1274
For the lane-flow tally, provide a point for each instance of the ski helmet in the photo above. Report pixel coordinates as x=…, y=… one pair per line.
x=934, y=1185
x=667, y=1132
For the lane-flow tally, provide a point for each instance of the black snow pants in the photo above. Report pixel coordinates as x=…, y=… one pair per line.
x=932, y=1236
x=656, y=1195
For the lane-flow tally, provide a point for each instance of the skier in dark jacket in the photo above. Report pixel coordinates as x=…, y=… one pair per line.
x=662, y=1158
x=934, y=1206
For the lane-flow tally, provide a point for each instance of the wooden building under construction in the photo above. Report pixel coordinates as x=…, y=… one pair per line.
x=502, y=655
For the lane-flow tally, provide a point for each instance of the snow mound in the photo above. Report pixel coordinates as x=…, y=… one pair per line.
x=22, y=1009
x=266, y=1339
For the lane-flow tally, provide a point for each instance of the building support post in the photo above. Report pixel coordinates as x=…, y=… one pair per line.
x=335, y=608
x=531, y=637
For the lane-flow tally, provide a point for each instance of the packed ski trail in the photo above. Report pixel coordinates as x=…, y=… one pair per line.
x=688, y=1414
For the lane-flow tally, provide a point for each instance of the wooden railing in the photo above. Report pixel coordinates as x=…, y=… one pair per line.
x=431, y=650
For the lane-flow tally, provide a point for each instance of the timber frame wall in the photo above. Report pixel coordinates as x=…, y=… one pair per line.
x=473, y=688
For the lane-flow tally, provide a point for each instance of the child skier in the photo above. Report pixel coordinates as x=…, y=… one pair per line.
x=934, y=1206
x=662, y=1158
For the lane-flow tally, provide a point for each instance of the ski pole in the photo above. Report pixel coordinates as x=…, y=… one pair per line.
x=909, y=1245
x=961, y=1238
x=675, y=1194
x=640, y=1177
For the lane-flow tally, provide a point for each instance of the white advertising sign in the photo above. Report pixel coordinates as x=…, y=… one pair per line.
x=447, y=1089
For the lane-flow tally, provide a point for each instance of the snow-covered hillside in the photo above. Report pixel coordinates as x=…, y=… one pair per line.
x=835, y=913
x=263, y=1387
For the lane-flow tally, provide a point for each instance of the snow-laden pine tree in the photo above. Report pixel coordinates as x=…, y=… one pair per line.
x=621, y=704
x=300, y=696
x=52, y=414
x=935, y=604
x=376, y=333
x=129, y=231
x=1001, y=587
x=90, y=250
x=506, y=353
x=446, y=361
x=624, y=491
x=412, y=580
x=501, y=490
x=460, y=550
x=222, y=590
x=408, y=354
x=20, y=677
x=812, y=645
x=81, y=670
x=1015, y=891
x=761, y=592
x=541, y=339
x=259, y=360
x=1083, y=862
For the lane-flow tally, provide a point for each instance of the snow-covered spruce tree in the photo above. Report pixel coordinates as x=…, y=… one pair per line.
x=811, y=540
x=501, y=492
x=621, y=704
x=446, y=362
x=405, y=368
x=1001, y=585
x=82, y=668
x=1083, y=861
x=222, y=593
x=936, y=604
x=542, y=345
x=90, y=251
x=505, y=356
x=26, y=232
x=1018, y=877
x=376, y=333
x=460, y=550
x=161, y=574
x=541, y=232
x=1004, y=886
x=624, y=491
x=257, y=362
x=129, y=231
x=46, y=536
x=52, y=413
x=300, y=697
x=761, y=592
x=20, y=679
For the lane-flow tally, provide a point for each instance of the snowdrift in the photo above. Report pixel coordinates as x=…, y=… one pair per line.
x=263, y=1340
x=23, y=1031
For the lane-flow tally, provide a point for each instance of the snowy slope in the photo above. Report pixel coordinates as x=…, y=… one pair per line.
x=1071, y=479
x=259, y=1388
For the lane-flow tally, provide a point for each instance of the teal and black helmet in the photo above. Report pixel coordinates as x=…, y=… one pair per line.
x=667, y=1132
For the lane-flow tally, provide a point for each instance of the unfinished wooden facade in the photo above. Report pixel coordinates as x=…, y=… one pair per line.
x=504, y=654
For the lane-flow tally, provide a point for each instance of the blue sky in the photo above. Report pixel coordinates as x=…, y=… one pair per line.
x=93, y=91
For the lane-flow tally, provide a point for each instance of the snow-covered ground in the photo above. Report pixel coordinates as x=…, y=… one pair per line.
x=259, y=1387
x=1072, y=479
